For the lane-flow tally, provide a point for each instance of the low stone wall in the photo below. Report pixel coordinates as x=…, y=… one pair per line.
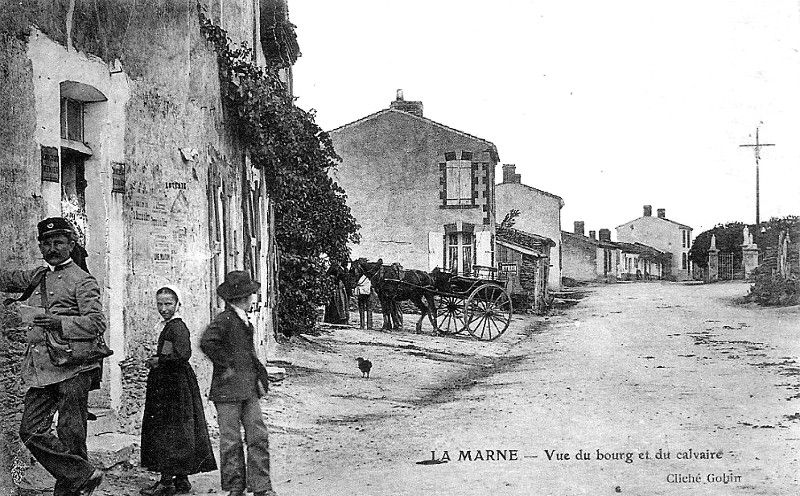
x=13, y=456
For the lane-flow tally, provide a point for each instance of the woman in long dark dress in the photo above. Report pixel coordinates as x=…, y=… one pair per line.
x=175, y=438
x=336, y=311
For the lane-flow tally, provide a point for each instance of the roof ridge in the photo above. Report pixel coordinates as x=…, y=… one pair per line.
x=423, y=118
x=535, y=189
x=660, y=218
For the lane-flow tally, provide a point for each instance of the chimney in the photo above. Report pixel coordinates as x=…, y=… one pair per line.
x=648, y=210
x=579, y=227
x=592, y=235
x=510, y=175
x=411, y=107
x=662, y=213
x=605, y=235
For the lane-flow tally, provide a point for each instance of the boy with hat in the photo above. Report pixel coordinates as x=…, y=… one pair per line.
x=71, y=307
x=236, y=388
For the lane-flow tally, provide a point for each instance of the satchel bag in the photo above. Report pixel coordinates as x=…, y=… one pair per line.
x=72, y=352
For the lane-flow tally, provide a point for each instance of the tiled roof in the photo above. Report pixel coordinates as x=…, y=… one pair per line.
x=637, y=248
x=529, y=240
x=579, y=237
x=640, y=249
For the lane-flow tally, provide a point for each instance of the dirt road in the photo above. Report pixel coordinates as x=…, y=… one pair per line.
x=632, y=373
x=633, y=369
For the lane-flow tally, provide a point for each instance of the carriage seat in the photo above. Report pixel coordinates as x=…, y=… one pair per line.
x=484, y=272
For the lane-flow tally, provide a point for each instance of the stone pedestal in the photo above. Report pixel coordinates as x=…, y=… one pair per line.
x=713, y=265
x=749, y=259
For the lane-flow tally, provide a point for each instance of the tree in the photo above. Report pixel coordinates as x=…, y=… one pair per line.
x=510, y=219
x=768, y=239
x=728, y=238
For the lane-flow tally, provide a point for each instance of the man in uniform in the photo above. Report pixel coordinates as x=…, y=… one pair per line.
x=73, y=310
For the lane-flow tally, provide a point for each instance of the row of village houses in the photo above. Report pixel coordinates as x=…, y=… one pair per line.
x=426, y=196
x=115, y=119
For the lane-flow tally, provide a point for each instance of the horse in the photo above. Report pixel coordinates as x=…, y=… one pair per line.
x=393, y=284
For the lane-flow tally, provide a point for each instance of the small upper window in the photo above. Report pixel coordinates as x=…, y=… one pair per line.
x=71, y=119
x=75, y=97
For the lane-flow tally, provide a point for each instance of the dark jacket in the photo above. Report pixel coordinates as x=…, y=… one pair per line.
x=228, y=343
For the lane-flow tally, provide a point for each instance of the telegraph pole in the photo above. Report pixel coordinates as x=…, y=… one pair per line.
x=757, y=149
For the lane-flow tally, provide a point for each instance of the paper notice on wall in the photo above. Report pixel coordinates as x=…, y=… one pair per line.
x=161, y=245
x=161, y=248
x=140, y=208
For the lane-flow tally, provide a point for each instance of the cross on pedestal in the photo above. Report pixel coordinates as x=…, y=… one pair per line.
x=757, y=148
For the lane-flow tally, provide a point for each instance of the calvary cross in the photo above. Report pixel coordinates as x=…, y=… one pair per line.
x=757, y=148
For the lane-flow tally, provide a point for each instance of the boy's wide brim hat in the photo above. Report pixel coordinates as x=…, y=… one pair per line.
x=237, y=285
x=53, y=226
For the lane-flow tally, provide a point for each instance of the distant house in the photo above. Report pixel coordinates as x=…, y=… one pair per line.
x=423, y=192
x=579, y=255
x=664, y=235
x=589, y=258
x=600, y=259
x=642, y=262
x=540, y=214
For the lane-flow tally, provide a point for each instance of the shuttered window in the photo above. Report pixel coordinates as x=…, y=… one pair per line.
x=459, y=182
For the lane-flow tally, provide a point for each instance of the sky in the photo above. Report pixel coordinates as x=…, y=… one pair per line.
x=610, y=105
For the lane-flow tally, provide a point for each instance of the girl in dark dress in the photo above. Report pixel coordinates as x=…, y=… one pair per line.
x=174, y=432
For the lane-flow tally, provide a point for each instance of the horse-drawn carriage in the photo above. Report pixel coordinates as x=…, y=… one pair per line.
x=453, y=304
x=480, y=306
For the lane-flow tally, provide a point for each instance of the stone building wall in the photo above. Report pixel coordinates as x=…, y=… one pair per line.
x=579, y=257
x=20, y=208
x=163, y=124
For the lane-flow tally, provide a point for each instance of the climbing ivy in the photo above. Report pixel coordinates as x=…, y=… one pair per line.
x=294, y=155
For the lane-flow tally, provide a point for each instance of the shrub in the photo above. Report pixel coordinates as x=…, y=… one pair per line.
x=770, y=290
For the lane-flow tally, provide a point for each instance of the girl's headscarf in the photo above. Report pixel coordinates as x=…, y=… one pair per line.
x=178, y=295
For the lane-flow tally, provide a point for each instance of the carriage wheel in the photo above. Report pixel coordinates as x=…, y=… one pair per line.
x=450, y=314
x=488, y=311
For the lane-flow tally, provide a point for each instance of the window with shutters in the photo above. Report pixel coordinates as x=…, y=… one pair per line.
x=458, y=174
